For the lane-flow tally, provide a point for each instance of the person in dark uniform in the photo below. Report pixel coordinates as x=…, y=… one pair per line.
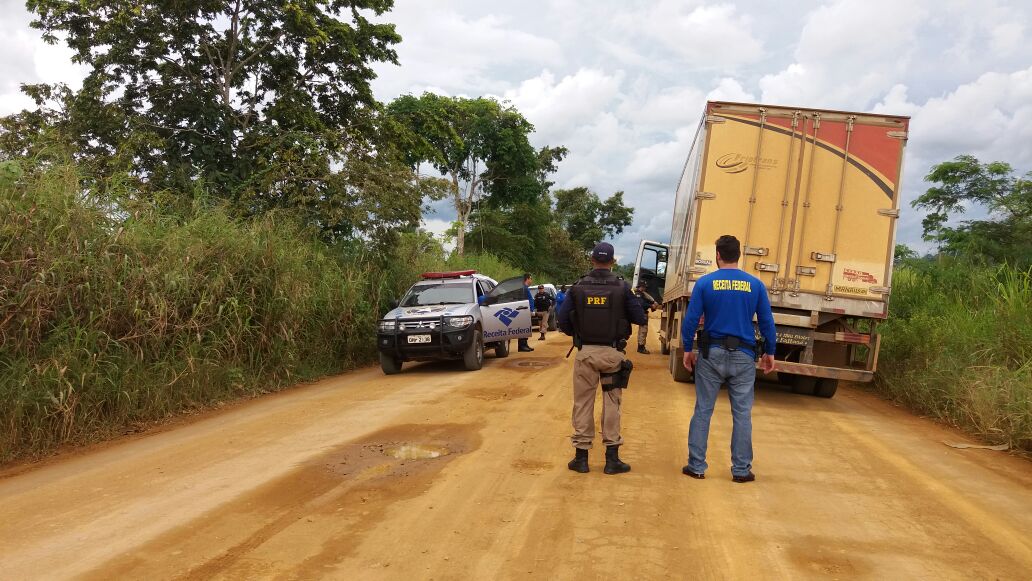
x=728, y=298
x=647, y=303
x=543, y=306
x=598, y=312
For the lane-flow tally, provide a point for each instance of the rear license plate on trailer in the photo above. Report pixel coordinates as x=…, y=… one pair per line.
x=419, y=338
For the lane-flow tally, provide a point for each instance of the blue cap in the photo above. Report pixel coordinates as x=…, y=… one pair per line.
x=603, y=252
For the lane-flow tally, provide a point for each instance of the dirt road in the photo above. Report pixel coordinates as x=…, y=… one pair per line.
x=444, y=474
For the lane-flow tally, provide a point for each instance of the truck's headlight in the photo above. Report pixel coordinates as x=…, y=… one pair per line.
x=388, y=325
x=459, y=322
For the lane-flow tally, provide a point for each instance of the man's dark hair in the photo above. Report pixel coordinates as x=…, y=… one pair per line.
x=526, y=276
x=728, y=248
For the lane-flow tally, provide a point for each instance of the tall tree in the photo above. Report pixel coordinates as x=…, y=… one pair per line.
x=588, y=219
x=480, y=145
x=259, y=101
x=1007, y=233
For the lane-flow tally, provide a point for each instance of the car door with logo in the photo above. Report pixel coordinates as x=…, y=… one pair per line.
x=506, y=311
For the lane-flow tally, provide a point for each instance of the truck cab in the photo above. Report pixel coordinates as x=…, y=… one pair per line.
x=453, y=315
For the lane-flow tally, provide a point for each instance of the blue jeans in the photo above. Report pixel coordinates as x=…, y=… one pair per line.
x=738, y=370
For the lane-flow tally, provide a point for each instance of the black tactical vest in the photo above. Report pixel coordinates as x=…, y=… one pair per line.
x=601, y=317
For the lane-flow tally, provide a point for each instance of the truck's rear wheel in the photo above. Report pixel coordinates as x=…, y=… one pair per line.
x=502, y=349
x=473, y=358
x=826, y=387
x=677, y=368
x=390, y=364
x=803, y=384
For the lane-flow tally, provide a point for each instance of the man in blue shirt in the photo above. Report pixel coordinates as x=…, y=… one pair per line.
x=728, y=298
x=522, y=345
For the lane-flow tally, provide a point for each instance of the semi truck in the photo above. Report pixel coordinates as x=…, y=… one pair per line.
x=813, y=196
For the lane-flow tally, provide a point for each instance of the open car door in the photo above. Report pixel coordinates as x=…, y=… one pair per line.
x=651, y=266
x=506, y=311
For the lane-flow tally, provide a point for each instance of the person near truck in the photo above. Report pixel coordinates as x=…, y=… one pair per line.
x=559, y=298
x=543, y=306
x=598, y=312
x=522, y=344
x=728, y=298
x=647, y=304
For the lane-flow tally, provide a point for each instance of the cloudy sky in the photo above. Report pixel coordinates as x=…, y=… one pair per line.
x=622, y=83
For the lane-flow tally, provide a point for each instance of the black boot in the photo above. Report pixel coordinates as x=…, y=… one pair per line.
x=613, y=463
x=642, y=349
x=580, y=461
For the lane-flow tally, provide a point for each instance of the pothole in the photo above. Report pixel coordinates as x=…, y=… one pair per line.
x=415, y=452
x=532, y=364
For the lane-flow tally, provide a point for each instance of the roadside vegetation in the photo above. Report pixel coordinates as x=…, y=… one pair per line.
x=958, y=343
x=113, y=313
x=958, y=346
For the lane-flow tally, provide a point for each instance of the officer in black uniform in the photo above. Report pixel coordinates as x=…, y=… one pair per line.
x=598, y=312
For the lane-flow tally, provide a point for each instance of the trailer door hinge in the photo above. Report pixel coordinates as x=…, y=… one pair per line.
x=881, y=290
x=767, y=266
x=890, y=212
x=705, y=196
x=806, y=270
x=697, y=270
x=822, y=257
x=756, y=250
x=715, y=119
x=897, y=134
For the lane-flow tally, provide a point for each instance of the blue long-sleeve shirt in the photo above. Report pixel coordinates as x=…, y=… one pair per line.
x=729, y=298
x=632, y=308
x=530, y=298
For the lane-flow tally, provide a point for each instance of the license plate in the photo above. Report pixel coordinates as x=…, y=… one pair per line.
x=419, y=338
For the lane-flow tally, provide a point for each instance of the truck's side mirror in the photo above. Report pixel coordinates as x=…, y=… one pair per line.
x=393, y=304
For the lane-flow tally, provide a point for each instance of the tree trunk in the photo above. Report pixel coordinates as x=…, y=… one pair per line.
x=460, y=206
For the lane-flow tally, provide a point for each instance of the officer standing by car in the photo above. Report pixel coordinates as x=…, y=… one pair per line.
x=647, y=303
x=522, y=345
x=728, y=297
x=598, y=312
x=543, y=306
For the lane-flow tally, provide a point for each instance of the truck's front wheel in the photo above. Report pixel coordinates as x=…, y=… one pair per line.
x=390, y=364
x=473, y=358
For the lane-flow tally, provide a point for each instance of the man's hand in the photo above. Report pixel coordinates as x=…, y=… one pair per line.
x=767, y=363
x=689, y=360
x=655, y=306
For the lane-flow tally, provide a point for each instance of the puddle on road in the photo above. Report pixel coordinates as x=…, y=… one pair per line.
x=528, y=363
x=415, y=452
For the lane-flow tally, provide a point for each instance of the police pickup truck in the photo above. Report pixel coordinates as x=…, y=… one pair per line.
x=453, y=315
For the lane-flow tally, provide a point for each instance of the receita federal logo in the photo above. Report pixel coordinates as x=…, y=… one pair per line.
x=738, y=163
x=506, y=315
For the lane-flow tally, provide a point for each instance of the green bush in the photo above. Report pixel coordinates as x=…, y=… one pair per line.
x=114, y=313
x=958, y=346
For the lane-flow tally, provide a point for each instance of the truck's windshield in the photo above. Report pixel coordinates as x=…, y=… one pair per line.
x=455, y=293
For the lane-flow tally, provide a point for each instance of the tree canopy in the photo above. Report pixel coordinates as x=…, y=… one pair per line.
x=589, y=220
x=1005, y=236
x=480, y=145
x=259, y=103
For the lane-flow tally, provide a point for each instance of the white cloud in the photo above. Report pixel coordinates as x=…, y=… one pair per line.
x=849, y=52
x=704, y=37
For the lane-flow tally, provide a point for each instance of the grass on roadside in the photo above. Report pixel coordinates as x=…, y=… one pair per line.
x=958, y=346
x=113, y=313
